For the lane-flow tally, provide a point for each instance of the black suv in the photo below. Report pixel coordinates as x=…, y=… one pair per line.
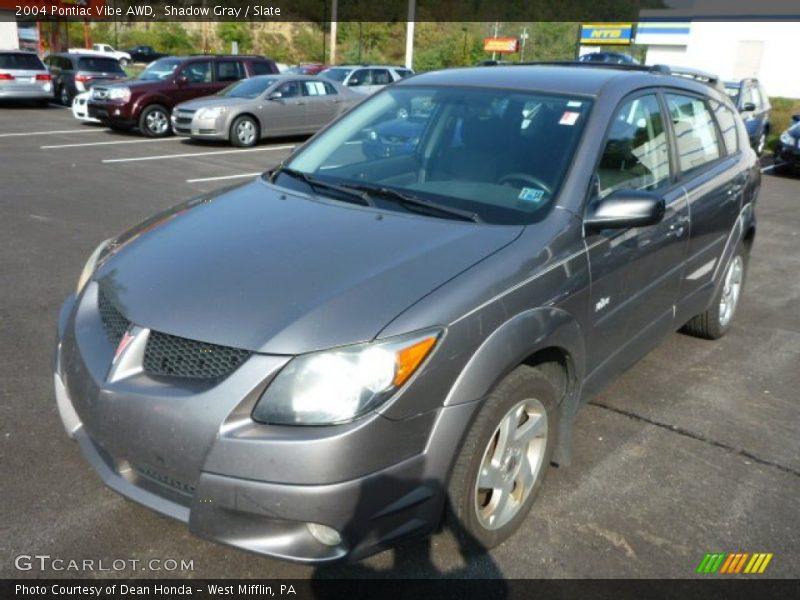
x=74, y=73
x=751, y=100
x=147, y=101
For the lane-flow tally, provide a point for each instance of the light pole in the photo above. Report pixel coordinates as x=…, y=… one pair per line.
x=523, y=37
x=412, y=8
x=464, y=57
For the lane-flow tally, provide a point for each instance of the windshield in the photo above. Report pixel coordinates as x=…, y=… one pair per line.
x=500, y=154
x=99, y=64
x=21, y=60
x=248, y=88
x=732, y=89
x=160, y=69
x=335, y=74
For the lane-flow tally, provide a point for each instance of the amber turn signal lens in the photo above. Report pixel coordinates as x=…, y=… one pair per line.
x=408, y=359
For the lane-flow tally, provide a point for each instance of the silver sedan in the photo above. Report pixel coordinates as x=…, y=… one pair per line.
x=264, y=106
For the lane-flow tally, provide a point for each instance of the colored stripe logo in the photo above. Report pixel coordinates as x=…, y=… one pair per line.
x=734, y=563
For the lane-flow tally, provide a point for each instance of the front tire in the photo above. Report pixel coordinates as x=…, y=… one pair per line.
x=503, y=461
x=244, y=132
x=761, y=143
x=718, y=319
x=154, y=121
x=64, y=96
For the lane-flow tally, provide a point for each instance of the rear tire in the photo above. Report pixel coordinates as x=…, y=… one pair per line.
x=154, y=121
x=501, y=466
x=717, y=320
x=244, y=132
x=64, y=96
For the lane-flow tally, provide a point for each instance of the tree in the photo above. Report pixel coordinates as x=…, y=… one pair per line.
x=233, y=31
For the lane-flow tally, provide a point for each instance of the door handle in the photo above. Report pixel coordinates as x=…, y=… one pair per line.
x=676, y=229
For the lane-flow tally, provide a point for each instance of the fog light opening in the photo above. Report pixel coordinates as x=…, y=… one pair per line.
x=324, y=534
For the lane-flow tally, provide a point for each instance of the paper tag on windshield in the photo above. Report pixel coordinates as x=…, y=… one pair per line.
x=569, y=118
x=531, y=195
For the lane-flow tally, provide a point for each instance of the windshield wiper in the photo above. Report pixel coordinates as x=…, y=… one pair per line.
x=412, y=202
x=315, y=183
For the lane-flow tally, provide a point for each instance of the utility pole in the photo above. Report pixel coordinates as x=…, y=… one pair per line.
x=496, y=26
x=334, y=16
x=523, y=37
x=412, y=8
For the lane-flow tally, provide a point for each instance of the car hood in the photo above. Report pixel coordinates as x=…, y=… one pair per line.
x=268, y=270
x=211, y=101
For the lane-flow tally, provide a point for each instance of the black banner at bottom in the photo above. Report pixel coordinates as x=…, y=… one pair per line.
x=460, y=589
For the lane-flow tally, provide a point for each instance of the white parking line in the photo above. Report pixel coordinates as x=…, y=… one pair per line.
x=223, y=177
x=769, y=168
x=49, y=132
x=193, y=154
x=171, y=139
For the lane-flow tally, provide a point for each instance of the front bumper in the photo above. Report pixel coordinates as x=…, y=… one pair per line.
x=192, y=126
x=196, y=456
x=111, y=113
x=788, y=155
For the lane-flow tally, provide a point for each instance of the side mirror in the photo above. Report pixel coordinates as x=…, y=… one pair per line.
x=795, y=118
x=748, y=107
x=624, y=209
x=275, y=96
x=182, y=80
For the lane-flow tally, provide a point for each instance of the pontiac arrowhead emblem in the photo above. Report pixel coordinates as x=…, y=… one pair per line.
x=123, y=343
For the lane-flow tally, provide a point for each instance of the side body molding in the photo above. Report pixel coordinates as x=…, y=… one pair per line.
x=510, y=345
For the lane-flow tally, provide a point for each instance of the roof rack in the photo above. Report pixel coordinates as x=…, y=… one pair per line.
x=696, y=74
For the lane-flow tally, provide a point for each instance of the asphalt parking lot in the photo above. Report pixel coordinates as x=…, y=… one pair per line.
x=696, y=449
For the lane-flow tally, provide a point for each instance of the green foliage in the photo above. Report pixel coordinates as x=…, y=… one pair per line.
x=235, y=31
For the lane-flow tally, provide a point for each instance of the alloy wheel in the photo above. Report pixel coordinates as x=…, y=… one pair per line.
x=157, y=122
x=511, y=464
x=731, y=290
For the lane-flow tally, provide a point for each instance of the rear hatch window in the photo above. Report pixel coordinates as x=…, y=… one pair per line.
x=99, y=64
x=22, y=61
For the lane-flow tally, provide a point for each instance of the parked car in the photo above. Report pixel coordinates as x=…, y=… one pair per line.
x=616, y=58
x=365, y=79
x=80, y=108
x=307, y=69
x=24, y=77
x=104, y=50
x=264, y=106
x=787, y=153
x=335, y=356
x=144, y=54
x=147, y=101
x=752, y=101
x=76, y=73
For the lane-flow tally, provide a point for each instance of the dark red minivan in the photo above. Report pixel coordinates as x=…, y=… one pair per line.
x=146, y=102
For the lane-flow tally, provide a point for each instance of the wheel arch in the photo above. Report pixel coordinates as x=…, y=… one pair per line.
x=549, y=338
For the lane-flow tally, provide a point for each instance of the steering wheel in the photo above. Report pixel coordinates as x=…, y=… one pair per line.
x=525, y=178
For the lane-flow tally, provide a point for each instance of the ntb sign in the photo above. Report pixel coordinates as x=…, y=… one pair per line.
x=606, y=33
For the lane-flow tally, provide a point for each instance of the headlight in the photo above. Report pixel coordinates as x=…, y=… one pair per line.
x=119, y=93
x=91, y=266
x=335, y=386
x=211, y=113
x=787, y=139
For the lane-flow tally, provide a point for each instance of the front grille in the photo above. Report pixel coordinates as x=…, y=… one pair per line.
x=114, y=322
x=99, y=93
x=183, y=120
x=174, y=356
x=164, y=480
x=181, y=129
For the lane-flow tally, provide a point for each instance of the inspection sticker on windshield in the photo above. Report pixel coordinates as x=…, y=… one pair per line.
x=574, y=104
x=531, y=195
x=569, y=118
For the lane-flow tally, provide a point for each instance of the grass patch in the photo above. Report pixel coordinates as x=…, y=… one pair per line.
x=780, y=118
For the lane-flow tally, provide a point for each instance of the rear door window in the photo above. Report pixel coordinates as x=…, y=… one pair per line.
x=262, y=67
x=695, y=132
x=381, y=77
x=636, y=152
x=230, y=70
x=727, y=126
x=316, y=88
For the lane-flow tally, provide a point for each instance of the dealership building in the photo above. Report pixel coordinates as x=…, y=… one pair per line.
x=732, y=50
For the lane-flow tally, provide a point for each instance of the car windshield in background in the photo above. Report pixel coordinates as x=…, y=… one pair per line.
x=99, y=64
x=335, y=74
x=733, y=92
x=21, y=60
x=498, y=154
x=248, y=88
x=160, y=69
